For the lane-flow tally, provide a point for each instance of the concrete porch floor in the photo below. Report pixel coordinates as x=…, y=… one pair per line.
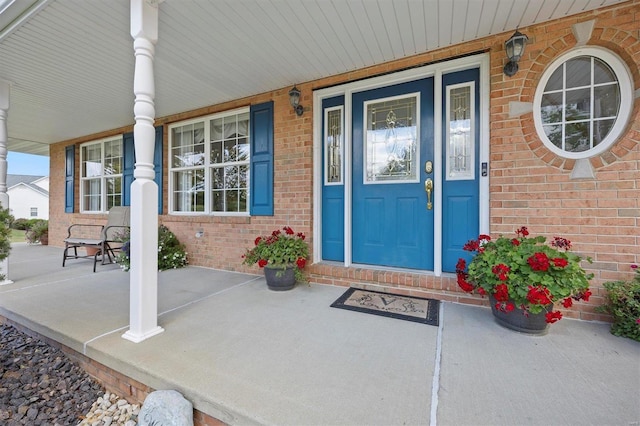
x=247, y=355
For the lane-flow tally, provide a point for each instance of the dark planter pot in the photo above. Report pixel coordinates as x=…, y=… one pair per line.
x=280, y=279
x=534, y=324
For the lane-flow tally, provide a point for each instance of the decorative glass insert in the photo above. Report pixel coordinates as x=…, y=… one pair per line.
x=391, y=145
x=580, y=103
x=333, y=145
x=460, y=146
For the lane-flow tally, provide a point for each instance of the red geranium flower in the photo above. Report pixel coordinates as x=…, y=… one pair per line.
x=585, y=295
x=560, y=262
x=262, y=263
x=461, y=265
x=502, y=293
x=553, y=316
x=500, y=271
x=464, y=285
x=301, y=262
x=288, y=230
x=539, y=262
x=539, y=295
x=568, y=302
x=515, y=242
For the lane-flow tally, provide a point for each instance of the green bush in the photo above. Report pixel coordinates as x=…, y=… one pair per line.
x=21, y=224
x=37, y=228
x=171, y=253
x=623, y=303
x=5, y=235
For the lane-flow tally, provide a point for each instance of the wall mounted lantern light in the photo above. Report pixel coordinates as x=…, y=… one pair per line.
x=514, y=48
x=294, y=99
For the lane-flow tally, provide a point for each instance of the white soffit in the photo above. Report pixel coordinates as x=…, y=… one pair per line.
x=70, y=62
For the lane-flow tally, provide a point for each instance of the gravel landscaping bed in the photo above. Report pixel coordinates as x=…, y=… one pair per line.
x=39, y=385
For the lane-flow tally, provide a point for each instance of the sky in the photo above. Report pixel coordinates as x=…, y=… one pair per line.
x=27, y=164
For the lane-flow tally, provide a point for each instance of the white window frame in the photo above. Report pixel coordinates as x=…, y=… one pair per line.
x=207, y=167
x=102, y=176
x=625, y=83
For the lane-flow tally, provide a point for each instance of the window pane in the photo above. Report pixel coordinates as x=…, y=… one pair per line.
x=578, y=72
x=217, y=178
x=243, y=149
x=551, y=108
x=554, y=133
x=91, y=195
x=555, y=81
x=602, y=73
x=577, y=137
x=188, y=190
x=218, y=201
x=606, y=101
x=216, y=152
x=601, y=129
x=187, y=145
x=92, y=160
x=578, y=105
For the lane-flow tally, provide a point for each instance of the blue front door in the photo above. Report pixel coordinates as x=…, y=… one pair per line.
x=392, y=213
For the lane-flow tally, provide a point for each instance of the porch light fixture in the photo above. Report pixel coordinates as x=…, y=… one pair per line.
x=514, y=48
x=294, y=99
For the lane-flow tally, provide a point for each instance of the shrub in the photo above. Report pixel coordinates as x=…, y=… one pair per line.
x=623, y=303
x=5, y=235
x=21, y=224
x=171, y=253
x=37, y=229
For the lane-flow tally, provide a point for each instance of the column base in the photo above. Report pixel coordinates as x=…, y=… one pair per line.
x=6, y=282
x=137, y=338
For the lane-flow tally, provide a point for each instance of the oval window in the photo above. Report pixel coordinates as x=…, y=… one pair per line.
x=583, y=102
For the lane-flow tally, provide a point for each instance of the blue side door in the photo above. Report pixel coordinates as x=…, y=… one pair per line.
x=392, y=213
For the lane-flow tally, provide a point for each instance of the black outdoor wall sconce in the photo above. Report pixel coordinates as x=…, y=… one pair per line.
x=514, y=48
x=294, y=99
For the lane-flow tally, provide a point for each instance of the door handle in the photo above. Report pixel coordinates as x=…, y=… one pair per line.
x=428, y=187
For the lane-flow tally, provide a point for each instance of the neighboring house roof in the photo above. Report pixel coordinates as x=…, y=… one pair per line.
x=26, y=180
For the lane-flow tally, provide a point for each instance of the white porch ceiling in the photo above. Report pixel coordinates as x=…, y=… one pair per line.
x=70, y=63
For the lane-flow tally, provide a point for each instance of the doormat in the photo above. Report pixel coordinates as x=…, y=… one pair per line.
x=406, y=308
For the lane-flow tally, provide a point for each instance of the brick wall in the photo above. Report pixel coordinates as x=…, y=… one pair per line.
x=529, y=185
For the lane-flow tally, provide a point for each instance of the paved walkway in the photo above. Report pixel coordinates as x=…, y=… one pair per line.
x=246, y=355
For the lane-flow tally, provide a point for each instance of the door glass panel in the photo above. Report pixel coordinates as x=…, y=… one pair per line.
x=460, y=144
x=333, y=145
x=390, y=152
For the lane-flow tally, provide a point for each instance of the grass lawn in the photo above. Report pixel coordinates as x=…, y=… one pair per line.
x=17, y=236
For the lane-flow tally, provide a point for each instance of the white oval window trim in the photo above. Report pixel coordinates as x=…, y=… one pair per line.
x=623, y=75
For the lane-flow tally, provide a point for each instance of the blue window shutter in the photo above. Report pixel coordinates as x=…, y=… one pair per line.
x=69, y=167
x=129, y=161
x=261, y=138
x=157, y=165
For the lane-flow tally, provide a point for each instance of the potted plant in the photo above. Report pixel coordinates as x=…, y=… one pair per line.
x=524, y=278
x=623, y=304
x=283, y=255
x=38, y=232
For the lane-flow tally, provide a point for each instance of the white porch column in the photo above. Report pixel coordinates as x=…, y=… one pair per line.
x=143, y=309
x=4, y=138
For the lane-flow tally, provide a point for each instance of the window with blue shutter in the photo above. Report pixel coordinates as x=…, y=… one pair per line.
x=261, y=159
x=69, y=166
x=129, y=160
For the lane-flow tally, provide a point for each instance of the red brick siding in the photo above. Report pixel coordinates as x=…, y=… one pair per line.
x=529, y=184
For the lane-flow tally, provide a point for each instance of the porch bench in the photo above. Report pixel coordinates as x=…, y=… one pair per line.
x=104, y=239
